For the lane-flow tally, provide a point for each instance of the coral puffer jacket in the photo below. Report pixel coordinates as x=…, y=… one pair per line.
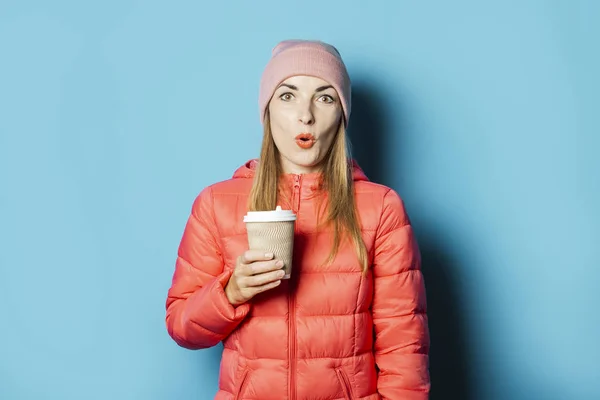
x=330, y=332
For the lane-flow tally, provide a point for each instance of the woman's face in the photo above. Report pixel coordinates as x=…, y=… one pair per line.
x=305, y=114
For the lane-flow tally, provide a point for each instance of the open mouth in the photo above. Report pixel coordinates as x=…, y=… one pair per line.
x=305, y=140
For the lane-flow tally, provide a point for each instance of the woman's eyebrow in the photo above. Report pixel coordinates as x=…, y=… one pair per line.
x=320, y=89
x=289, y=86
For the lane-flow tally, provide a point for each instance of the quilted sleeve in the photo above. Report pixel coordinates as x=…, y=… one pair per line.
x=198, y=312
x=399, y=307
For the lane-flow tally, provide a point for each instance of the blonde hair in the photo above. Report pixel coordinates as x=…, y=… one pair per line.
x=338, y=183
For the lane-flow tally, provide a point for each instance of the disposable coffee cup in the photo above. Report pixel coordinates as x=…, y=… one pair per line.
x=273, y=232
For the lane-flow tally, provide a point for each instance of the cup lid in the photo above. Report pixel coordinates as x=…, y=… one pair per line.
x=277, y=215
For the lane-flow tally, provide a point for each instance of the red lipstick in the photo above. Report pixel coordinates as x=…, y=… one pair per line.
x=305, y=140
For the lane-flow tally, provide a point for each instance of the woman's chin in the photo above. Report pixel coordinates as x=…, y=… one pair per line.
x=308, y=161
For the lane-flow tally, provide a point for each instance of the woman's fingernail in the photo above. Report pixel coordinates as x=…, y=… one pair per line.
x=280, y=274
x=279, y=263
x=269, y=255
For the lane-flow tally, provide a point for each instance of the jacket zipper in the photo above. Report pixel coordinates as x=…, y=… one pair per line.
x=292, y=300
x=343, y=378
x=242, y=385
x=296, y=197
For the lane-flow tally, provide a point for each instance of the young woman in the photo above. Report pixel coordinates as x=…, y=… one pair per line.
x=351, y=322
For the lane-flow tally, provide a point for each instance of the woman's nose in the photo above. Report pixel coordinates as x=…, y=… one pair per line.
x=306, y=116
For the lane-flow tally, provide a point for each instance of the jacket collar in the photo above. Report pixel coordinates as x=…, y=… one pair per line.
x=247, y=170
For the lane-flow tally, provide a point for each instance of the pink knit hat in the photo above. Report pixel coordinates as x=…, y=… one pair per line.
x=305, y=57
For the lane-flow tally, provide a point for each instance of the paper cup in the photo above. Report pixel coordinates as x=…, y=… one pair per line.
x=272, y=232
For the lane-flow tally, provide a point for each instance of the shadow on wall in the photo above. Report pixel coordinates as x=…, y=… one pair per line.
x=369, y=129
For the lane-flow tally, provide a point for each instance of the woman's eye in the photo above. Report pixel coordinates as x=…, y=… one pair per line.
x=286, y=97
x=326, y=99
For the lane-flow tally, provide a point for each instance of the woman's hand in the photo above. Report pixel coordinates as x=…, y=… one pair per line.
x=255, y=272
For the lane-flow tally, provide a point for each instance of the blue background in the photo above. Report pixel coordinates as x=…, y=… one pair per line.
x=115, y=114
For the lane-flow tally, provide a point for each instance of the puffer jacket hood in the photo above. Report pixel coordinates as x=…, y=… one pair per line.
x=330, y=332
